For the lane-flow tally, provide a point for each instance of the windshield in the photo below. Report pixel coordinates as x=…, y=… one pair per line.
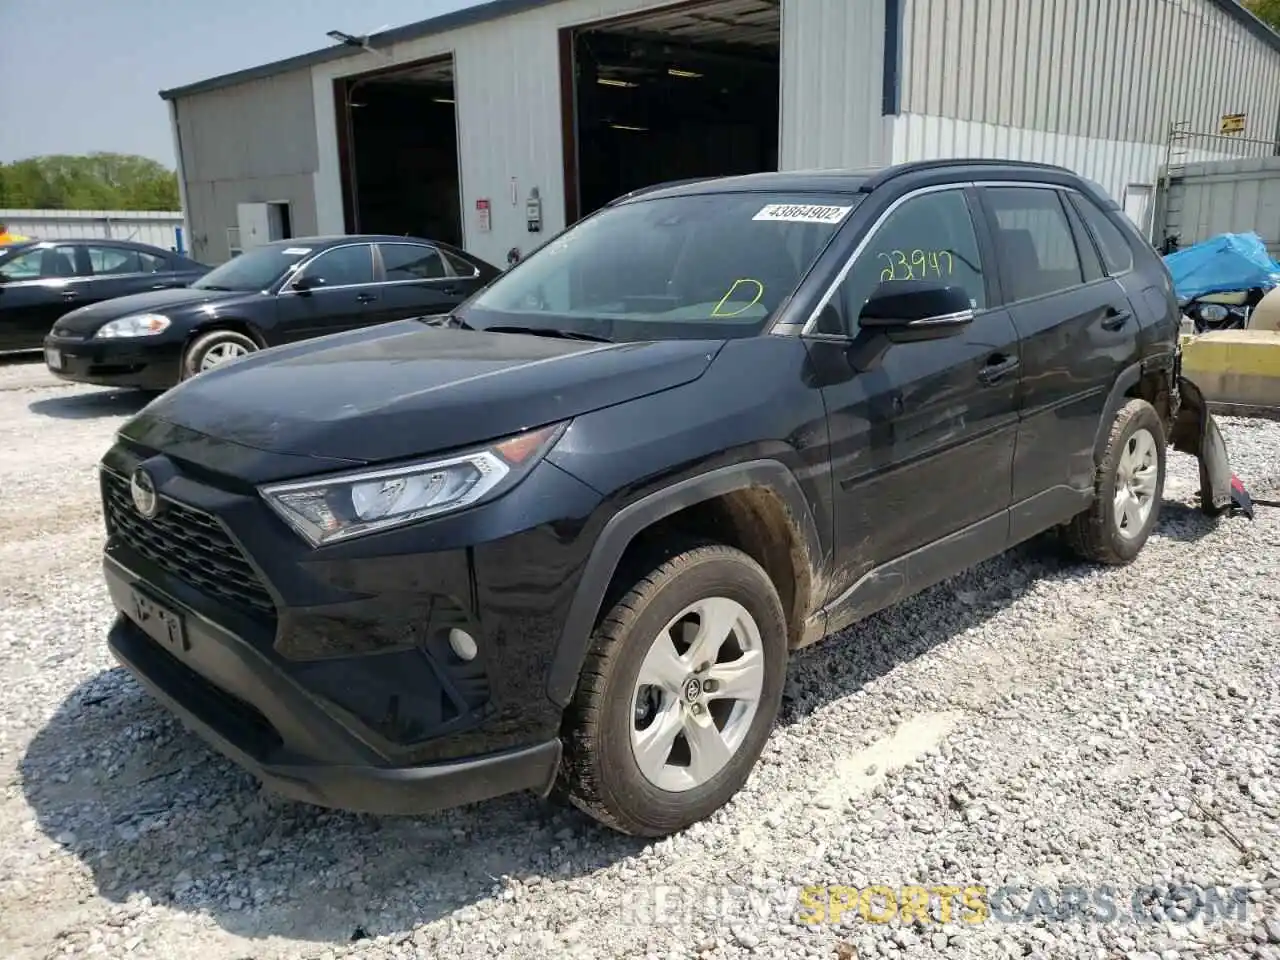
x=256, y=270
x=707, y=266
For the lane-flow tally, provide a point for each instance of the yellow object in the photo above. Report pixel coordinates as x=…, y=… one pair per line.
x=7, y=238
x=1239, y=367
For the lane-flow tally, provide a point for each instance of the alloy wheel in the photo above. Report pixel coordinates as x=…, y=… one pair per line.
x=1136, y=475
x=697, y=694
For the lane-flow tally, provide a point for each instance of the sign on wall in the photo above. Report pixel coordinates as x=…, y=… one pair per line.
x=1232, y=123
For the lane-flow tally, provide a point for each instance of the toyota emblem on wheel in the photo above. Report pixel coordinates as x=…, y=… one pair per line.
x=144, y=494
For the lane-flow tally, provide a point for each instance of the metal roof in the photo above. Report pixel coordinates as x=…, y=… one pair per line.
x=495, y=9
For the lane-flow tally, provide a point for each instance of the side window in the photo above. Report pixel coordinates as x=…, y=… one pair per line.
x=25, y=266
x=342, y=266
x=929, y=237
x=106, y=261
x=1034, y=242
x=411, y=261
x=152, y=264
x=460, y=267
x=1115, y=248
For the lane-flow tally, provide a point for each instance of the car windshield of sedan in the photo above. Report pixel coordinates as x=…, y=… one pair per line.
x=255, y=270
x=689, y=267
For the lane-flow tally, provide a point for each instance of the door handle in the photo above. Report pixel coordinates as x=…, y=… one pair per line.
x=996, y=368
x=1115, y=319
x=366, y=297
x=69, y=295
x=452, y=290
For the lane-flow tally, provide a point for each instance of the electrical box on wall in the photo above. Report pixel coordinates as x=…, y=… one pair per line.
x=484, y=216
x=533, y=211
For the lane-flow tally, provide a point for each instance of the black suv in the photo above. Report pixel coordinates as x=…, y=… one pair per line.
x=567, y=537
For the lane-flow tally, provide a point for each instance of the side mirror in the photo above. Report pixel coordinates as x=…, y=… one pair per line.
x=906, y=311
x=305, y=284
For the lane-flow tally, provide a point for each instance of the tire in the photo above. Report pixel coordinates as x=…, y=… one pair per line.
x=207, y=345
x=601, y=773
x=1104, y=533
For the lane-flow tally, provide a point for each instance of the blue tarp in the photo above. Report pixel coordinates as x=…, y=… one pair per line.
x=1229, y=261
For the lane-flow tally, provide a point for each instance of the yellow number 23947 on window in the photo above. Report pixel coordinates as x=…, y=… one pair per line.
x=916, y=264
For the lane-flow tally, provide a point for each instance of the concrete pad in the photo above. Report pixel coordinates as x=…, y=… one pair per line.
x=1236, y=367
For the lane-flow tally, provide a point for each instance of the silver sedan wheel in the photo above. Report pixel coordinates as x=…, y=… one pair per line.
x=1136, y=476
x=697, y=694
x=222, y=352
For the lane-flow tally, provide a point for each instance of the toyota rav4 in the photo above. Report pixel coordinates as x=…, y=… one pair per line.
x=565, y=538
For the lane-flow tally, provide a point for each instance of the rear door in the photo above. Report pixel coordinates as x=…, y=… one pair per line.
x=418, y=281
x=1077, y=332
x=117, y=271
x=346, y=295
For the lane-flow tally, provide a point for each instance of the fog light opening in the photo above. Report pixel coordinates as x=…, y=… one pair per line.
x=463, y=644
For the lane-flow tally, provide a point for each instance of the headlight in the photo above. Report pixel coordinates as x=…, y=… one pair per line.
x=347, y=505
x=1213, y=312
x=139, y=325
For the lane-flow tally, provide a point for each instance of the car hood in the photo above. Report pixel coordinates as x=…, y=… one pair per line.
x=404, y=389
x=88, y=319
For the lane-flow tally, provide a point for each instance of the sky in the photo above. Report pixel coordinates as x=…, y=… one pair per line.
x=85, y=75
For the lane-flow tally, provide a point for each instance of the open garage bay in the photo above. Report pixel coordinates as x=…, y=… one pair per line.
x=1035, y=722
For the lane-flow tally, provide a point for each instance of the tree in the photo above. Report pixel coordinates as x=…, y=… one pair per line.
x=99, y=181
x=1266, y=10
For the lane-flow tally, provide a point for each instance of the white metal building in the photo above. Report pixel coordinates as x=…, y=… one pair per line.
x=449, y=127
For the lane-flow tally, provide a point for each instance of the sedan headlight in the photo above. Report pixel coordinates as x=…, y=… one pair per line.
x=347, y=505
x=139, y=325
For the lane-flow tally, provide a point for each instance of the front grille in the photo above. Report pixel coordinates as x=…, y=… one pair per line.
x=190, y=545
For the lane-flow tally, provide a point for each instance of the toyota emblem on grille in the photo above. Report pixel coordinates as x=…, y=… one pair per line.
x=144, y=494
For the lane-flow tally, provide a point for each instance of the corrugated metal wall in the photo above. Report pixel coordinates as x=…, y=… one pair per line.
x=158, y=228
x=1117, y=70
x=1234, y=196
x=251, y=143
x=832, y=63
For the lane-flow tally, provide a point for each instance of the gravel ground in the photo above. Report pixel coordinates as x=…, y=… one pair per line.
x=1035, y=722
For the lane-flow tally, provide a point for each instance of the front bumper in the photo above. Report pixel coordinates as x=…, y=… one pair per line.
x=209, y=687
x=327, y=672
x=141, y=362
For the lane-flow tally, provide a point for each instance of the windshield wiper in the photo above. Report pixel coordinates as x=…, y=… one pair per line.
x=550, y=332
x=211, y=286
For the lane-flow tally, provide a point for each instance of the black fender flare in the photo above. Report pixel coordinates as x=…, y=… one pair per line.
x=1115, y=400
x=627, y=523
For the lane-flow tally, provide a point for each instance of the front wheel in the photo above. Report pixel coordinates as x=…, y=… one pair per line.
x=680, y=689
x=215, y=348
x=1128, y=488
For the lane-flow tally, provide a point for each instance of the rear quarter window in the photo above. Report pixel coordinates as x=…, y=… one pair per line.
x=1116, y=252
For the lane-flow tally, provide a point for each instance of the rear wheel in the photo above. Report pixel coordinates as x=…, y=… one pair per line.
x=214, y=348
x=679, y=692
x=1128, y=488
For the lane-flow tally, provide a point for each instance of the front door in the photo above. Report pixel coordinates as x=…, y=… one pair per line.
x=418, y=282
x=1077, y=331
x=340, y=294
x=36, y=288
x=922, y=434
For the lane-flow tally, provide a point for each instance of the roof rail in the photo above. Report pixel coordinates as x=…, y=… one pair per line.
x=916, y=166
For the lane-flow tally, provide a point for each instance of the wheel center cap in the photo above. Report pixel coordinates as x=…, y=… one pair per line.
x=692, y=689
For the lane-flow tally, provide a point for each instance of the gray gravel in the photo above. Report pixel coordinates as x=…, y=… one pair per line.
x=1034, y=722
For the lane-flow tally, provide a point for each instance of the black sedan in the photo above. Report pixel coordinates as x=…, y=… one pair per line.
x=40, y=280
x=278, y=293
